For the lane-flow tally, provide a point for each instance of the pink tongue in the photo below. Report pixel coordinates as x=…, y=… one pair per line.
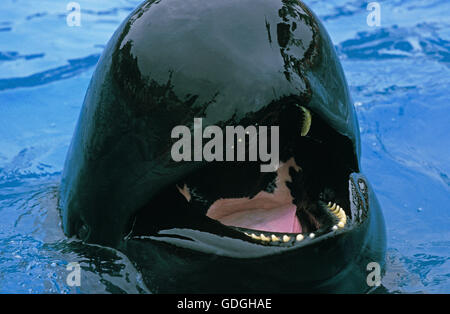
x=281, y=219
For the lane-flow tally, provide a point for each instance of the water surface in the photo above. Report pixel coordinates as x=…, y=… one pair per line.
x=399, y=78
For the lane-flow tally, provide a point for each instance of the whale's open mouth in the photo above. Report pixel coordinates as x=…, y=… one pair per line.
x=269, y=212
x=307, y=197
x=276, y=216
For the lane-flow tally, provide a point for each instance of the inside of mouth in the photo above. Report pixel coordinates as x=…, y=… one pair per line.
x=269, y=212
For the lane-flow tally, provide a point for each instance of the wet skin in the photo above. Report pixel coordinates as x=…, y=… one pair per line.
x=231, y=63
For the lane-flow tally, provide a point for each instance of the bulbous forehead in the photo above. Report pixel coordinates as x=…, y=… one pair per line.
x=237, y=56
x=236, y=52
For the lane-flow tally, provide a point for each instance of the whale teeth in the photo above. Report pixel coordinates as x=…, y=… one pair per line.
x=272, y=238
x=264, y=238
x=339, y=213
x=306, y=121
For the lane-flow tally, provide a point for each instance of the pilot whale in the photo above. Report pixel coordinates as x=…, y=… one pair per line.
x=313, y=225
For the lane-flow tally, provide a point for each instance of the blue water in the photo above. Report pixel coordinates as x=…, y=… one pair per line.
x=399, y=77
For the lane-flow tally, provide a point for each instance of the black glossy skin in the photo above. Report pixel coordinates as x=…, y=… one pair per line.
x=169, y=62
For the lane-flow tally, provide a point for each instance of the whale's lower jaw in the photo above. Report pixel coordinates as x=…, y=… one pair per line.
x=306, y=271
x=198, y=261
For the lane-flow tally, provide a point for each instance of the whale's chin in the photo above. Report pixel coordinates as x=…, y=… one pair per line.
x=307, y=197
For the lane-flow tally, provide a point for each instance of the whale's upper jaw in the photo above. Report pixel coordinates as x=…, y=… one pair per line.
x=308, y=198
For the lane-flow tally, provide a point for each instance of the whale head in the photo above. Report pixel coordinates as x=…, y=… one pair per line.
x=221, y=224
